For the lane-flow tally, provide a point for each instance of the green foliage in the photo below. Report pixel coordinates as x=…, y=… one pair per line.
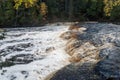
x=95, y=9
x=6, y=12
x=90, y=9
x=53, y=7
x=115, y=13
x=35, y=12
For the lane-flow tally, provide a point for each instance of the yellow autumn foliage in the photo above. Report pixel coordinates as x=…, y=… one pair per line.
x=26, y=3
x=43, y=9
x=109, y=4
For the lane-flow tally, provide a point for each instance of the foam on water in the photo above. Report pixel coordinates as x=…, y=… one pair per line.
x=45, y=46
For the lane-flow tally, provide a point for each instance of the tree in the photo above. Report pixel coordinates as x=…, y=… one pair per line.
x=94, y=9
x=108, y=7
x=109, y=4
x=43, y=8
x=53, y=8
x=26, y=3
x=115, y=13
x=7, y=12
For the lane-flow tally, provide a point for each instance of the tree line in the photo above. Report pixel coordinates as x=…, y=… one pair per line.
x=38, y=12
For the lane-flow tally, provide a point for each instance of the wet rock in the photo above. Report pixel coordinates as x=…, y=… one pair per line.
x=77, y=72
x=69, y=34
x=18, y=48
x=25, y=73
x=2, y=35
x=6, y=64
x=71, y=45
x=86, y=50
x=98, y=45
x=20, y=59
x=17, y=35
x=12, y=77
x=3, y=72
x=99, y=34
x=109, y=67
x=23, y=58
x=117, y=43
x=72, y=34
x=50, y=49
x=96, y=36
x=74, y=27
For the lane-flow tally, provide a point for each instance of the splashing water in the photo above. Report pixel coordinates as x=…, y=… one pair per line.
x=32, y=53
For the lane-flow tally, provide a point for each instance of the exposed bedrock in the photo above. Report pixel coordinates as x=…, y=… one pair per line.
x=95, y=52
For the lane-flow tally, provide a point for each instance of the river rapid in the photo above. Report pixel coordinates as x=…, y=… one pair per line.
x=32, y=53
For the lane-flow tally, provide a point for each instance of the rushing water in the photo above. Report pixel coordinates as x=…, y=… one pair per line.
x=32, y=53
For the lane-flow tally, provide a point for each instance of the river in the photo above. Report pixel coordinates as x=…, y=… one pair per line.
x=32, y=53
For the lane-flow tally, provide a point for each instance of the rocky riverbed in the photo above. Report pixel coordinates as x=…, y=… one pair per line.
x=87, y=51
x=95, y=52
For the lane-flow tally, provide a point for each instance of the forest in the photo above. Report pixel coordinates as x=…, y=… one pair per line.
x=39, y=12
